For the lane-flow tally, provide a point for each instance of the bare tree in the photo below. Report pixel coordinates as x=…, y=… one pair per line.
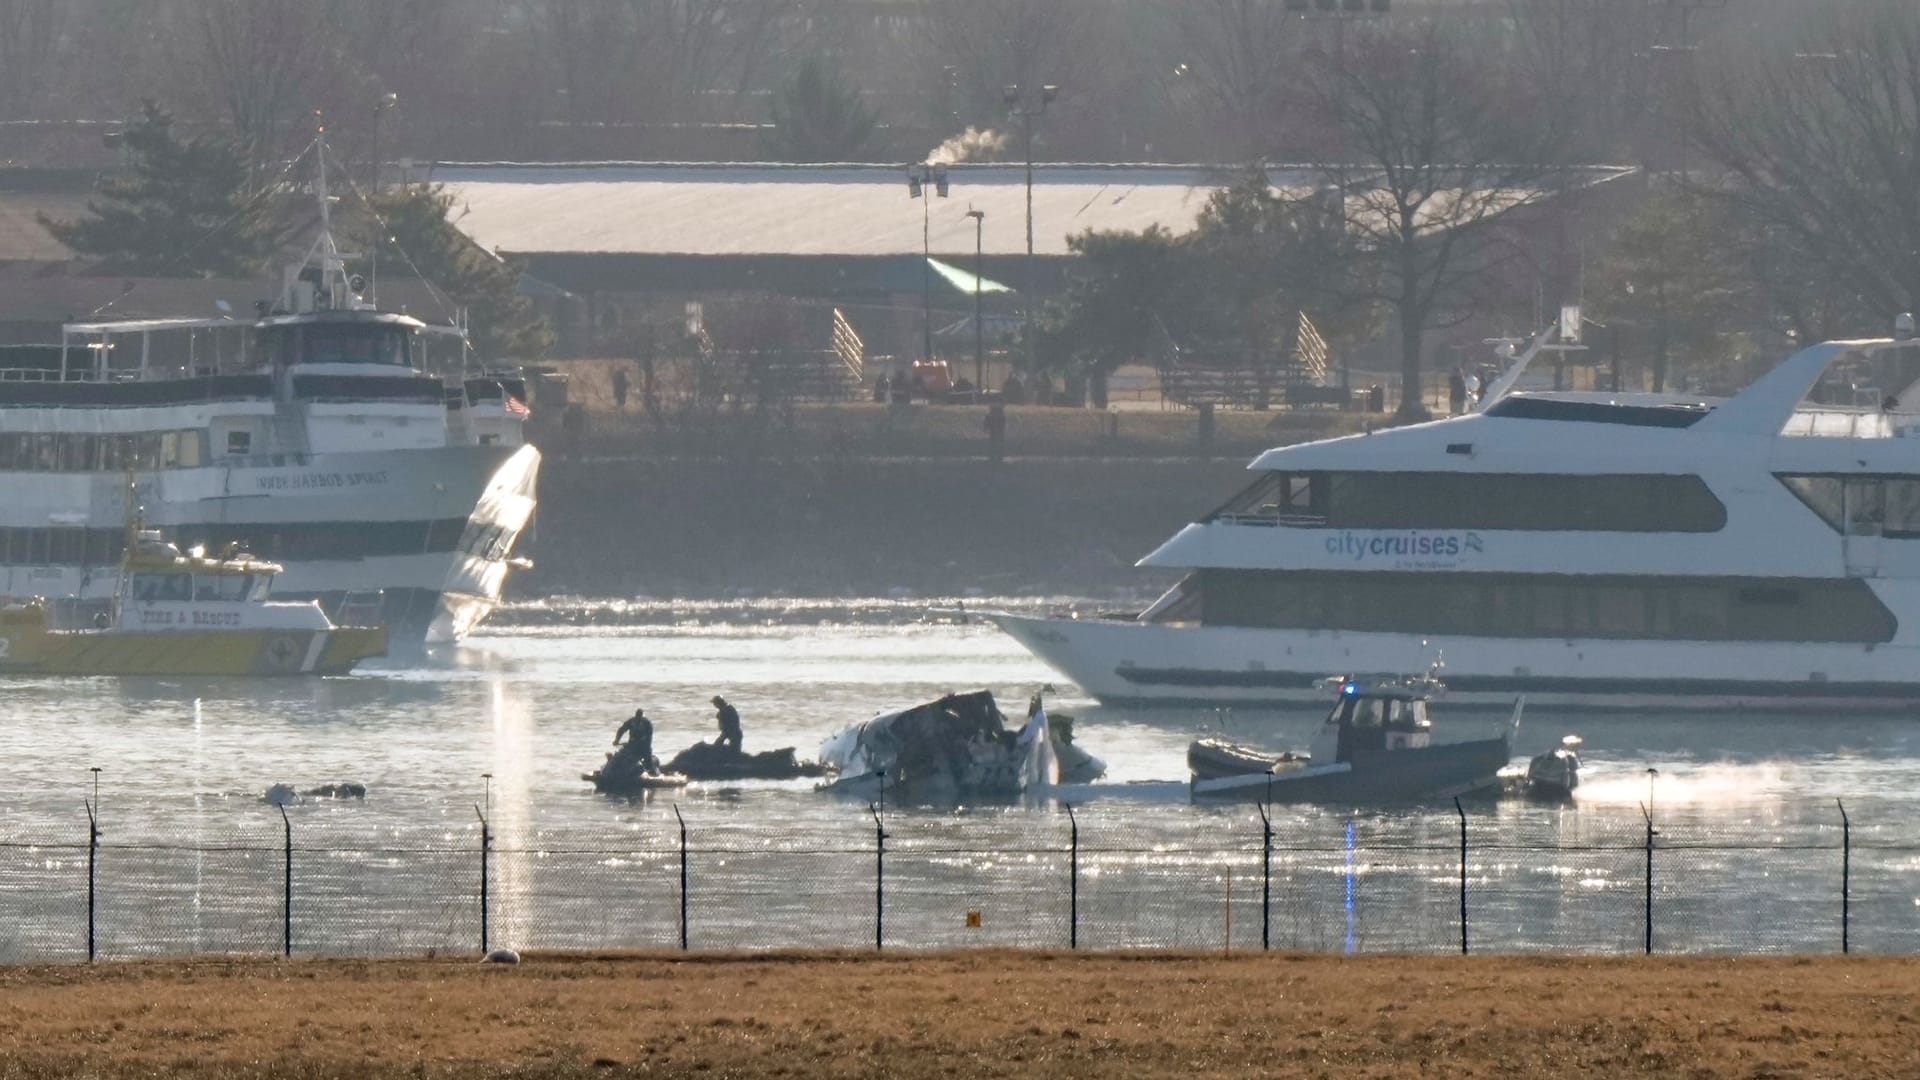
x=1822, y=149
x=1441, y=152
x=266, y=65
x=982, y=47
x=653, y=60
x=1238, y=59
x=31, y=32
x=1590, y=61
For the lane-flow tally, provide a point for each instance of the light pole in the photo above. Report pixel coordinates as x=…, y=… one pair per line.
x=386, y=103
x=1018, y=106
x=979, y=350
x=919, y=178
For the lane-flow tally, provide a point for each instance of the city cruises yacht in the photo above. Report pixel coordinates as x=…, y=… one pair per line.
x=363, y=451
x=1587, y=550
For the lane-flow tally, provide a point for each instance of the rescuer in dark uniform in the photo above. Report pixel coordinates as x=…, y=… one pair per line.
x=638, y=731
x=729, y=718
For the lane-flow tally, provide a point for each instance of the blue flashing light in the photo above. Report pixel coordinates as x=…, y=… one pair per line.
x=1349, y=689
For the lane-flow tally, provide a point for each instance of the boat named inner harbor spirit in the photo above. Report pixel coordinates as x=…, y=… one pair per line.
x=364, y=451
x=1761, y=550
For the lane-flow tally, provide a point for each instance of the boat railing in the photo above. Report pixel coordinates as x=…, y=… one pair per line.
x=1272, y=518
x=44, y=375
x=1845, y=423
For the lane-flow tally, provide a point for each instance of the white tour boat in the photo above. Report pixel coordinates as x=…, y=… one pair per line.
x=362, y=450
x=1623, y=550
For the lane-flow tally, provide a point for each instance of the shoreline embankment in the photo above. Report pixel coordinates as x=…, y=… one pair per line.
x=645, y=526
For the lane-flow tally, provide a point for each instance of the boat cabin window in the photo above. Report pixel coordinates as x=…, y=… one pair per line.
x=1458, y=500
x=1408, y=716
x=1861, y=505
x=340, y=343
x=1457, y=603
x=162, y=588
x=220, y=587
x=1279, y=498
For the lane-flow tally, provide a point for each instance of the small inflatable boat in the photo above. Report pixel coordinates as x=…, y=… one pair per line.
x=1211, y=758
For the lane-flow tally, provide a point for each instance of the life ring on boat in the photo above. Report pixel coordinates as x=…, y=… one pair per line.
x=283, y=653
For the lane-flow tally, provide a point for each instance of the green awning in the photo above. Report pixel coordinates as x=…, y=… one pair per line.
x=964, y=281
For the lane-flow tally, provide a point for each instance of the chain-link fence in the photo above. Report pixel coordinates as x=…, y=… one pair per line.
x=1582, y=881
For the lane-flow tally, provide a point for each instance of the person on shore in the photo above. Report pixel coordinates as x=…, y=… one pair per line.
x=1457, y=391
x=729, y=719
x=620, y=388
x=1013, y=391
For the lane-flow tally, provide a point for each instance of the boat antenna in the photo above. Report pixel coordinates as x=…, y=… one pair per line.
x=447, y=306
x=1516, y=366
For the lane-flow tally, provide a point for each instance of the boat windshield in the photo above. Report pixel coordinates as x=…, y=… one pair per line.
x=162, y=588
x=1372, y=712
x=320, y=343
x=220, y=587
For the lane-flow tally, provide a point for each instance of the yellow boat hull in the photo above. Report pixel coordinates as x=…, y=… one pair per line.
x=28, y=647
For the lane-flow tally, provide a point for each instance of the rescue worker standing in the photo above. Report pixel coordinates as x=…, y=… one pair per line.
x=729, y=719
x=638, y=731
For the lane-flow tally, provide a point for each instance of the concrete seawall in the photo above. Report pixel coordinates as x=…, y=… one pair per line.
x=861, y=527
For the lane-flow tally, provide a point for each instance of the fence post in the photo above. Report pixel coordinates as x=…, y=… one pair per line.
x=1073, y=878
x=1462, y=811
x=1266, y=877
x=683, y=876
x=286, y=896
x=879, y=878
x=1846, y=877
x=1651, y=833
x=486, y=848
x=93, y=858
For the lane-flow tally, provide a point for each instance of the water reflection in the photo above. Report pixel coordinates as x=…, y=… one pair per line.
x=186, y=763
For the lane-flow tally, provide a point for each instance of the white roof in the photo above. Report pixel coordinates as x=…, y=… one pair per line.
x=783, y=209
x=766, y=209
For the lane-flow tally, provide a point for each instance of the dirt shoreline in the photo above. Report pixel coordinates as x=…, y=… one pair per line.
x=974, y=1014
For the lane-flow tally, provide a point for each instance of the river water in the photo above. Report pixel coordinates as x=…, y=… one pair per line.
x=1749, y=852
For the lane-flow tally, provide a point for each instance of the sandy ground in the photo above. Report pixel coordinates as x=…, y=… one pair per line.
x=975, y=1014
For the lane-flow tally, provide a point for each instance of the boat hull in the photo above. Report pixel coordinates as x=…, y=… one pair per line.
x=433, y=529
x=191, y=653
x=1135, y=663
x=1385, y=776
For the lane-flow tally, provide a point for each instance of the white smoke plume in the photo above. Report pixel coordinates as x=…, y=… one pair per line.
x=973, y=144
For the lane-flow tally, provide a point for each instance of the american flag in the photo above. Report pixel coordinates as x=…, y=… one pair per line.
x=1312, y=348
x=516, y=407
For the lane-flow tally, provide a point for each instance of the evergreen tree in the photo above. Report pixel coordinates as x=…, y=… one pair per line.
x=1676, y=274
x=1267, y=256
x=417, y=236
x=1118, y=286
x=182, y=209
x=818, y=116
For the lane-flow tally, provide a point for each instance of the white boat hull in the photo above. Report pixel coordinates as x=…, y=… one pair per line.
x=1125, y=662
x=480, y=497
